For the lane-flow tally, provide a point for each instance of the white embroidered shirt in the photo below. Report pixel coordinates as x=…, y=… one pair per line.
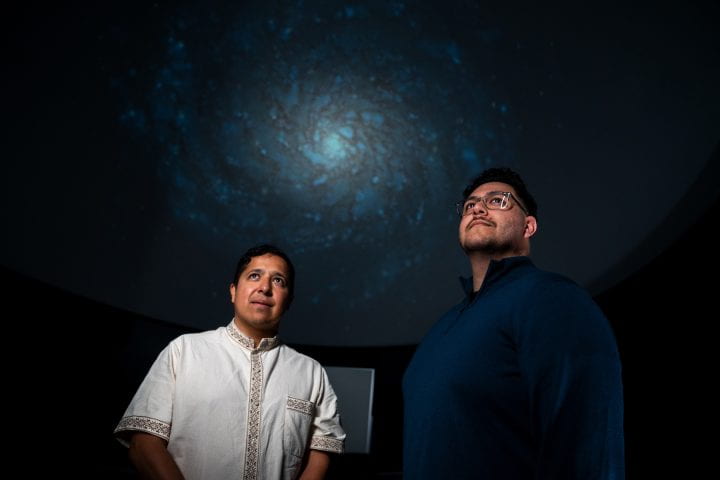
x=229, y=409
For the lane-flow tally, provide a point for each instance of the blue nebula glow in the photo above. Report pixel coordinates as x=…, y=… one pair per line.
x=357, y=137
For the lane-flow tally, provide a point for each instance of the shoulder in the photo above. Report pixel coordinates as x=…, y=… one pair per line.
x=298, y=360
x=545, y=285
x=551, y=297
x=290, y=353
x=197, y=340
x=552, y=301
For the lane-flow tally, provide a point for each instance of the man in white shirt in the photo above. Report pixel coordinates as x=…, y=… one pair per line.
x=235, y=402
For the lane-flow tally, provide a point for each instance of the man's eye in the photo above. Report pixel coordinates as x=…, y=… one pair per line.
x=254, y=276
x=495, y=200
x=279, y=281
x=469, y=206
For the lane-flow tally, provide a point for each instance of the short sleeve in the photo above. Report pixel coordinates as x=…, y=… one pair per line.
x=150, y=410
x=327, y=434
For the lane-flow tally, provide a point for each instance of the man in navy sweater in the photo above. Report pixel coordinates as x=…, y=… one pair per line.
x=521, y=379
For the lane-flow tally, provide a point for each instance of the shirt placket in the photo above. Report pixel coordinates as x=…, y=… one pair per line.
x=253, y=428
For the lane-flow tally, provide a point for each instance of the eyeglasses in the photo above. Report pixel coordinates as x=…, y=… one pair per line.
x=492, y=201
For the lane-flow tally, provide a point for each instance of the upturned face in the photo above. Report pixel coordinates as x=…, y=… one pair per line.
x=495, y=231
x=260, y=296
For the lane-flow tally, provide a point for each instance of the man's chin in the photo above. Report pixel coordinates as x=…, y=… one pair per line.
x=474, y=245
x=485, y=247
x=267, y=326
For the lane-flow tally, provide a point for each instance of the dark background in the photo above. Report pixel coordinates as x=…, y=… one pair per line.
x=149, y=144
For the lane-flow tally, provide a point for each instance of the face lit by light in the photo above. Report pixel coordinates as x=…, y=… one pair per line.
x=496, y=232
x=260, y=296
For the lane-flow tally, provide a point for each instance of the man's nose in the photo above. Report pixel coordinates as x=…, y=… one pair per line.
x=265, y=287
x=479, y=207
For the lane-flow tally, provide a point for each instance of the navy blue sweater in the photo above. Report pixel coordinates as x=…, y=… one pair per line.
x=521, y=380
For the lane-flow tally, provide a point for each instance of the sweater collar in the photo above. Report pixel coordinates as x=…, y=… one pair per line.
x=496, y=269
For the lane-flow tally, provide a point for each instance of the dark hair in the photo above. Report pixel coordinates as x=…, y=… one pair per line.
x=504, y=175
x=265, y=249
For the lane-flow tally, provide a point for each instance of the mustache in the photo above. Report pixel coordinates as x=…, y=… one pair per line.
x=479, y=221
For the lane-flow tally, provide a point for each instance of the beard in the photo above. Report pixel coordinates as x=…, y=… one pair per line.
x=489, y=246
x=495, y=243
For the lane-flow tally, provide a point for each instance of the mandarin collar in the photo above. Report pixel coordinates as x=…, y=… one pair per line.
x=247, y=342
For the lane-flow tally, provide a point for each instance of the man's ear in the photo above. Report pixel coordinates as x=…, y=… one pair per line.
x=531, y=226
x=232, y=293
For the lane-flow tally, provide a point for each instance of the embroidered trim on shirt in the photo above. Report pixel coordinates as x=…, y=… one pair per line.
x=144, y=424
x=252, y=446
x=326, y=443
x=247, y=342
x=304, y=406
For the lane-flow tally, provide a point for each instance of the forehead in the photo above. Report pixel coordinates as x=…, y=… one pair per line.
x=268, y=262
x=486, y=188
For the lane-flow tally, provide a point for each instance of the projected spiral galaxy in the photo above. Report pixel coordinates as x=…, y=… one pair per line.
x=342, y=133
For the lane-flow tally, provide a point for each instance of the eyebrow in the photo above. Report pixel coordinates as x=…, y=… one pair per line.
x=476, y=197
